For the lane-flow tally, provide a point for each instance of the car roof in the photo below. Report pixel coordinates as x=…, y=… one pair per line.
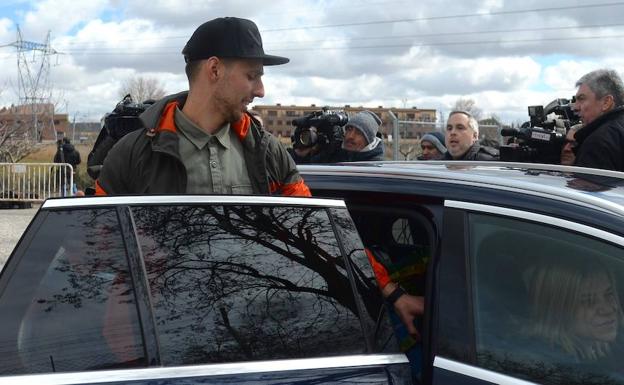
x=117, y=200
x=602, y=189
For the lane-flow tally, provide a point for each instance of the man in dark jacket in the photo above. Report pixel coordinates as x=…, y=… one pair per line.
x=67, y=153
x=204, y=141
x=461, y=138
x=361, y=142
x=600, y=104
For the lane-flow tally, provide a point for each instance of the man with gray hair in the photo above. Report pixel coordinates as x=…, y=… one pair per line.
x=600, y=104
x=462, y=139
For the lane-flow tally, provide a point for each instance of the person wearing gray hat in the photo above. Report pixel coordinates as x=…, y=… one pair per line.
x=204, y=141
x=432, y=146
x=361, y=142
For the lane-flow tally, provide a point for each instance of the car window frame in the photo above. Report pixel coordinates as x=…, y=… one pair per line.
x=457, y=212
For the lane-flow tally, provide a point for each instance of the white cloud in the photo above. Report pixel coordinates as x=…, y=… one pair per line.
x=417, y=61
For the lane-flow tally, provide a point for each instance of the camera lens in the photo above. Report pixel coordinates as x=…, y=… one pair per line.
x=307, y=137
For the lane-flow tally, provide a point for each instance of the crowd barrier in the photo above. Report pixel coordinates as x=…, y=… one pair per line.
x=35, y=182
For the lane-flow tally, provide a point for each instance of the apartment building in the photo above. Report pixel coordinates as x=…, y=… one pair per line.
x=278, y=118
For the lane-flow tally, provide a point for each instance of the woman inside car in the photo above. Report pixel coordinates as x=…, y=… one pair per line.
x=575, y=309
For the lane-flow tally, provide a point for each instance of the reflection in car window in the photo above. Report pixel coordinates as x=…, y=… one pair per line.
x=547, y=302
x=368, y=294
x=69, y=305
x=232, y=283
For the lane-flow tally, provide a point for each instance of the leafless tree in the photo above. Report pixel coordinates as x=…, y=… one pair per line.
x=468, y=105
x=15, y=143
x=142, y=88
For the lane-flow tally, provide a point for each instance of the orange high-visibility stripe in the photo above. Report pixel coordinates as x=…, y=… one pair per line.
x=99, y=191
x=381, y=274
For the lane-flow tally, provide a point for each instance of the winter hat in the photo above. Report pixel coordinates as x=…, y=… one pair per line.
x=435, y=138
x=367, y=123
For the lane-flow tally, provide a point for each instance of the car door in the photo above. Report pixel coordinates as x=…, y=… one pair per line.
x=524, y=297
x=219, y=289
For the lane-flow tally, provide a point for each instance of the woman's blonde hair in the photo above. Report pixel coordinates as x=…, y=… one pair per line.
x=554, y=297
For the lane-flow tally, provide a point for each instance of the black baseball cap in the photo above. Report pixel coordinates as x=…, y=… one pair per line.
x=228, y=37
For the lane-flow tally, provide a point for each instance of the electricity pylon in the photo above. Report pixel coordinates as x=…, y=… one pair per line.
x=33, y=67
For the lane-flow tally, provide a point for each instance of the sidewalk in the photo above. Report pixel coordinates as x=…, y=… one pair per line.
x=13, y=222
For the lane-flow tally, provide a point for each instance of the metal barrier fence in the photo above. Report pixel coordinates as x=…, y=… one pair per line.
x=35, y=182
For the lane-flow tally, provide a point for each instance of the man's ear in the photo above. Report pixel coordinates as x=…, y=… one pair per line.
x=212, y=68
x=607, y=103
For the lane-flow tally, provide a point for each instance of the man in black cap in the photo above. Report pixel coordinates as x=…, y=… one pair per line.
x=204, y=141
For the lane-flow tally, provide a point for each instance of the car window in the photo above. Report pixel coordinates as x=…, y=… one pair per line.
x=69, y=304
x=547, y=302
x=235, y=283
x=380, y=330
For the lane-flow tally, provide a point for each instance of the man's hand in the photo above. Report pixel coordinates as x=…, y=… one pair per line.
x=408, y=307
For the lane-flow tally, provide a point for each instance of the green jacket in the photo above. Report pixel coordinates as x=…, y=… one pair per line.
x=148, y=162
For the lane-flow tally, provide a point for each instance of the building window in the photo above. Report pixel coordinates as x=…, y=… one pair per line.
x=272, y=113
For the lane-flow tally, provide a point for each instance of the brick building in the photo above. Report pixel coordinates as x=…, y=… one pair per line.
x=278, y=118
x=49, y=124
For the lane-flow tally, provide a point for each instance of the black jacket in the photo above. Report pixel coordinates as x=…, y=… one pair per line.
x=476, y=152
x=376, y=153
x=148, y=161
x=601, y=142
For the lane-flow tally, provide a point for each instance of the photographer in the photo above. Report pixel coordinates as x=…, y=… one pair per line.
x=330, y=136
x=361, y=142
x=600, y=104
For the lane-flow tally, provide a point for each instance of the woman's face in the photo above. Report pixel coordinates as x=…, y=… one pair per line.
x=597, y=311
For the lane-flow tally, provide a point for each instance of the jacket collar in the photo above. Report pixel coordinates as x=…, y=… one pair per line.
x=587, y=130
x=160, y=117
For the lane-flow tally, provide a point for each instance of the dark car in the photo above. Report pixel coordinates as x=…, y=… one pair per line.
x=521, y=266
x=194, y=290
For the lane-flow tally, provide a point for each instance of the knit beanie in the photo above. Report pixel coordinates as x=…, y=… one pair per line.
x=435, y=138
x=367, y=123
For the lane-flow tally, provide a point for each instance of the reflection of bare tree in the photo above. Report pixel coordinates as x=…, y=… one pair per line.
x=258, y=274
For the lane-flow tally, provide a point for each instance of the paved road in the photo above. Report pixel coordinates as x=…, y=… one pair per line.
x=13, y=222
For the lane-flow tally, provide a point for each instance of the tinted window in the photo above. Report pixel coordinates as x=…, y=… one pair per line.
x=69, y=305
x=368, y=294
x=547, y=302
x=234, y=283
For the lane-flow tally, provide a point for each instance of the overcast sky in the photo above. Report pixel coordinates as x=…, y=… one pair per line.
x=505, y=55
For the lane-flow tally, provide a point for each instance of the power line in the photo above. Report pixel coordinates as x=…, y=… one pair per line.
x=473, y=42
x=438, y=34
x=445, y=17
x=476, y=42
x=462, y=33
x=441, y=17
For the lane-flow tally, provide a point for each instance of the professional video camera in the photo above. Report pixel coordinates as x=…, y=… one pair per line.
x=541, y=139
x=125, y=117
x=319, y=127
x=320, y=131
x=121, y=121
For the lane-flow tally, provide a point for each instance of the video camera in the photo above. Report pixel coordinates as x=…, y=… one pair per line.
x=319, y=127
x=125, y=117
x=123, y=120
x=541, y=139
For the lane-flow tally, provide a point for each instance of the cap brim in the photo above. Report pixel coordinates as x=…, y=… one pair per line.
x=271, y=60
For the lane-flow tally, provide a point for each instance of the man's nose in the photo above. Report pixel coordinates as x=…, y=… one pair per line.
x=259, y=89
